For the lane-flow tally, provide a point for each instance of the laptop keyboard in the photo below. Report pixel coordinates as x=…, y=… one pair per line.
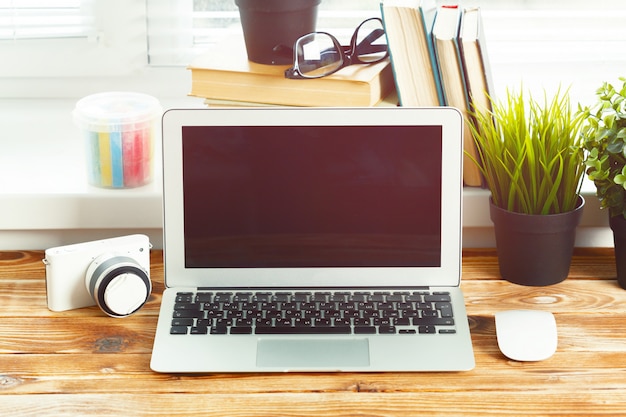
x=312, y=312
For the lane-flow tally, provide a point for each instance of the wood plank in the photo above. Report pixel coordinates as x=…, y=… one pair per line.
x=535, y=402
x=571, y=295
x=136, y=334
x=587, y=263
x=59, y=373
x=82, y=362
x=29, y=264
x=71, y=333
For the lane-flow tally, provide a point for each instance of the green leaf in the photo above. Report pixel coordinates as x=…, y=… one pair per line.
x=530, y=152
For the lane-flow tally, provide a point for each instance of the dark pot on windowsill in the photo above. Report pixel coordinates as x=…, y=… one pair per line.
x=270, y=27
x=618, y=226
x=535, y=250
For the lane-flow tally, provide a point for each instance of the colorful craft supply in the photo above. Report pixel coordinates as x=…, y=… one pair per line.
x=118, y=129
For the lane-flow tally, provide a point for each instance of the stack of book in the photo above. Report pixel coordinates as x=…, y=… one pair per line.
x=225, y=77
x=439, y=58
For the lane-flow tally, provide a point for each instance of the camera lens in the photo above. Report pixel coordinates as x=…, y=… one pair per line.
x=118, y=284
x=125, y=294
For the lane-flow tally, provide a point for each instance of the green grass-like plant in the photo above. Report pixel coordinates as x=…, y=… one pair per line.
x=530, y=153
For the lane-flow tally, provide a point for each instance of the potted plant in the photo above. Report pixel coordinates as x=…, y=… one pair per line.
x=604, y=137
x=271, y=27
x=530, y=156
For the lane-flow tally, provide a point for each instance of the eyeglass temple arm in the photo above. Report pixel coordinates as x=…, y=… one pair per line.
x=367, y=46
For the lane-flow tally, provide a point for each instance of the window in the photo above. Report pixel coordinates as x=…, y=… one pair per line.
x=37, y=19
x=113, y=43
x=61, y=38
x=574, y=44
x=179, y=30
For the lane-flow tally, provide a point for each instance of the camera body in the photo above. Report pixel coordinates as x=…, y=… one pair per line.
x=111, y=273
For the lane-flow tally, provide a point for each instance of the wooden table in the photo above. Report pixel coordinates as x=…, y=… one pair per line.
x=84, y=363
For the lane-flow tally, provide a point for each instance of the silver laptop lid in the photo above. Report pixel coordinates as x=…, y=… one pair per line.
x=312, y=197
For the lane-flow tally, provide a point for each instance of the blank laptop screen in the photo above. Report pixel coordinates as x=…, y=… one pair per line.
x=312, y=196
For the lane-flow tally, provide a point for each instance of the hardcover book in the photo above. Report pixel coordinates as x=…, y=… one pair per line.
x=448, y=53
x=408, y=25
x=225, y=73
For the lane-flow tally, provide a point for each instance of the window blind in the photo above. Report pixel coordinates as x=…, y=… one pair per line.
x=567, y=44
x=45, y=19
x=178, y=30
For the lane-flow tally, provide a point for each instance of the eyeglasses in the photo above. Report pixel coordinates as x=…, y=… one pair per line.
x=319, y=54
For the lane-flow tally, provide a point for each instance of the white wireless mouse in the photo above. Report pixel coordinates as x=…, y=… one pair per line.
x=526, y=335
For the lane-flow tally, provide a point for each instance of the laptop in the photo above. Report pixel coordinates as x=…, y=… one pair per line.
x=312, y=240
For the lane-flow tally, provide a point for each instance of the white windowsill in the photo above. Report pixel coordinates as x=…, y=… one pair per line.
x=44, y=196
x=45, y=200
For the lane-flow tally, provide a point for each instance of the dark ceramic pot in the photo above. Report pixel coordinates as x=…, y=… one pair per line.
x=535, y=250
x=270, y=27
x=618, y=225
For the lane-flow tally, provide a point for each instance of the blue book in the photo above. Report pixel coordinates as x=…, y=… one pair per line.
x=446, y=39
x=447, y=49
x=408, y=25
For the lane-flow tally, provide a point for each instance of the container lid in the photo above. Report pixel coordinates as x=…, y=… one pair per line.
x=116, y=111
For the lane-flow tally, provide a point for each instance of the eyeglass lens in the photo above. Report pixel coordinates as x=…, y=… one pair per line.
x=319, y=54
x=371, y=42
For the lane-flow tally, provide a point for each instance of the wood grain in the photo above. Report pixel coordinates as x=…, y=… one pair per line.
x=83, y=363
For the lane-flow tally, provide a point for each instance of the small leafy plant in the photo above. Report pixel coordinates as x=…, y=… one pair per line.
x=530, y=153
x=604, y=137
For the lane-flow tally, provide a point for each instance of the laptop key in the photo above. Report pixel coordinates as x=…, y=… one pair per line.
x=178, y=330
x=427, y=329
x=442, y=297
x=186, y=314
x=184, y=297
x=433, y=321
x=402, y=321
x=302, y=330
x=364, y=330
x=199, y=330
x=219, y=330
x=182, y=322
x=187, y=306
x=386, y=329
x=204, y=297
x=445, y=308
x=241, y=330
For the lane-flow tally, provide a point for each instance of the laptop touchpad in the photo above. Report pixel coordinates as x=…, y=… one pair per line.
x=312, y=353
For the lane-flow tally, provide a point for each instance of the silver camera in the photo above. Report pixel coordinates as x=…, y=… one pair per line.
x=111, y=273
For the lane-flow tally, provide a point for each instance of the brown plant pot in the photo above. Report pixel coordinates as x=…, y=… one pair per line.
x=535, y=250
x=271, y=27
x=618, y=225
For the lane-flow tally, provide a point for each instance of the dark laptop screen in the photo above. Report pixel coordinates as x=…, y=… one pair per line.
x=312, y=196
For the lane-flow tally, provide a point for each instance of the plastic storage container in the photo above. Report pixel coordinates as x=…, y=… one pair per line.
x=118, y=130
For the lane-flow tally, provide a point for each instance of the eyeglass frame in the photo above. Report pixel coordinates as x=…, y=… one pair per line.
x=348, y=53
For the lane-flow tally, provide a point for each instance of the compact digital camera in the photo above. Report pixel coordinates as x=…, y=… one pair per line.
x=111, y=273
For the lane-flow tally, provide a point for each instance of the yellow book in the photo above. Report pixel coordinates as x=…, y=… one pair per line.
x=390, y=101
x=408, y=25
x=476, y=66
x=225, y=73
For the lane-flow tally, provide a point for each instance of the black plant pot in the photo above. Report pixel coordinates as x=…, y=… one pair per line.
x=535, y=250
x=618, y=225
x=270, y=27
